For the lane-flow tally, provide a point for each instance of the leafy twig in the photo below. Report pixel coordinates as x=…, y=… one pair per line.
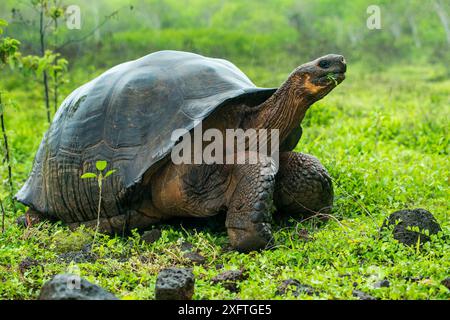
x=100, y=166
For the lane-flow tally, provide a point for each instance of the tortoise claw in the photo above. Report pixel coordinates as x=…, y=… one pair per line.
x=257, y=238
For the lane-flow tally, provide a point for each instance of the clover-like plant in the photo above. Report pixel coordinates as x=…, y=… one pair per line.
x=331, y=77
x=100, y=166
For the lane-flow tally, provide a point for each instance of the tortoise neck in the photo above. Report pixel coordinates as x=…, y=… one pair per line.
x=284, y=110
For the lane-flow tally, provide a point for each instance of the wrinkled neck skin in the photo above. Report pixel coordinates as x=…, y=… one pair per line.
x=285, y=109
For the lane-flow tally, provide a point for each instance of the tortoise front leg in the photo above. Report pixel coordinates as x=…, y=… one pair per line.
x=302, y=186
x=251, y=205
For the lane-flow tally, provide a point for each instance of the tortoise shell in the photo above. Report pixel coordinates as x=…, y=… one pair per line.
x=126, y=116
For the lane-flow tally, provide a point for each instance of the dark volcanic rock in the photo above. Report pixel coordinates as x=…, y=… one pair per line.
x=230, y=275
x=27, y=263
x=415, y=279
x=295, y=287
x=72, y=287
x=151, y=236
x=79, y=256
x=195, y=257
x=186, y=246
x=446, y=283
x=22, y=221
x=362, y=295
x=229, y=279
x=382, y=284
x=174, y=284
x=403, y=220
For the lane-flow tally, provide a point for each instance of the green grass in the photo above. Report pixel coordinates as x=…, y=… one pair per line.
x=383, y=136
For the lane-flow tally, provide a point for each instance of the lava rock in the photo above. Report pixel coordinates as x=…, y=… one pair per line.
x=175, y=284
x=186, y=246
x=22, y=221
x=362, y=295
x=230, y=275
x=79, y=256
x=72, y=287
x=403, y=220
x=382, y=284
x=303, y=234
x=195, y=257
x=446, y=283
x=27, y=263
x=415, y=279
x=229, y=279
x=151, y=236
x=295, y=287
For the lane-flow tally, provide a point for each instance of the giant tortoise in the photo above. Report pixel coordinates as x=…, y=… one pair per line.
x=127, y=117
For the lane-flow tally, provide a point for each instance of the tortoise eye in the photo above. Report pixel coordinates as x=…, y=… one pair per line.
x=324, y=64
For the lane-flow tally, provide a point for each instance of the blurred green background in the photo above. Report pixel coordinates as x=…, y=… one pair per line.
x=272, y=33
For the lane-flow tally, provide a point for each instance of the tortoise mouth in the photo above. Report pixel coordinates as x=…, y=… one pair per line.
x=330, y=79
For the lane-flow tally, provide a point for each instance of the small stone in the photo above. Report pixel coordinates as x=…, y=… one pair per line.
x=22, y=221
x=295, y=287
x=446, y=283
x=27, y=263
x=362, y=295
x=229, y=279
x=230, y=275
x=72, y=287
x=415, y=279
x=78, y=256
x=404, y=220
x=382, y=284
x=195, y=257
x=304, y=235
x=186, y=246
x=151, y=236
x=175, y=284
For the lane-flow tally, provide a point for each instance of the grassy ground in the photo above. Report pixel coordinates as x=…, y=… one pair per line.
x=383, y=137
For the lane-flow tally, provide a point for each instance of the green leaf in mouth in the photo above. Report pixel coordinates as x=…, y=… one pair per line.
x=332, y=77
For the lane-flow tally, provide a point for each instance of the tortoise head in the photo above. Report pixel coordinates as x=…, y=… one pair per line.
x=317, y=78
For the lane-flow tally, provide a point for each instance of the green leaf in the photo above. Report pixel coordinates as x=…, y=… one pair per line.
x=88, y=175
x=110, y=172
x=101, y=165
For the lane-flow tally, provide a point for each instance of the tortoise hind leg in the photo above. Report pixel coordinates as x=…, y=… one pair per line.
x=302, y=186
x=31, y=218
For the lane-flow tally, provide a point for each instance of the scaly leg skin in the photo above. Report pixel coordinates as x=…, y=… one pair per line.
x=250, y=209
x=244, y=192
x=303, y=186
